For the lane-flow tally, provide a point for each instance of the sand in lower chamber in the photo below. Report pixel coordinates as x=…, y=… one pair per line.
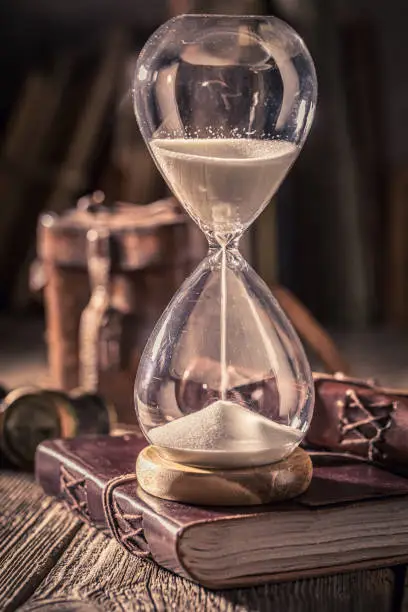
x=225, y=434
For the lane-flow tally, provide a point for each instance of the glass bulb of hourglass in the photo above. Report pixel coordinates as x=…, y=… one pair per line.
x=224, y=104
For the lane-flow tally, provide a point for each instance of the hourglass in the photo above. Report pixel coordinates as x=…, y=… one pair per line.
x=224, y=390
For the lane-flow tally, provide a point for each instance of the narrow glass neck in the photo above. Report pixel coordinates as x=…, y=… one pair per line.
x=230, y=242
x=228, y=254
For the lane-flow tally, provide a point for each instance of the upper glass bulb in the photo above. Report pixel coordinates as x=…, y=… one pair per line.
x=224, y=104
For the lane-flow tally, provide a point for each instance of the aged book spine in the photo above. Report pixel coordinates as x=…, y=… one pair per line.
x=112, y=507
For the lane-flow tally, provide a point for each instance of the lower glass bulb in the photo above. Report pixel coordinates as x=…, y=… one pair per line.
x=224, y=381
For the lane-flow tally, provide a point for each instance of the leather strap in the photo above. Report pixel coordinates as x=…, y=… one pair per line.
x=126, y=528
x=129, y=536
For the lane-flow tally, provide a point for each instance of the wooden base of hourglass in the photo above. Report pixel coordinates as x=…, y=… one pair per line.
x=223, y=487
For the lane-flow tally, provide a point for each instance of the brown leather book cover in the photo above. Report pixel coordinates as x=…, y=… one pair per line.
x=353, y=515
x=363, y=418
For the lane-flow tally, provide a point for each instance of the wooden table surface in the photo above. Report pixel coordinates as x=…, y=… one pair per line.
x=50, y=560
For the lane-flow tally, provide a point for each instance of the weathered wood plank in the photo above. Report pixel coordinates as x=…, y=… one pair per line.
x=404, y=589
x=34, y=531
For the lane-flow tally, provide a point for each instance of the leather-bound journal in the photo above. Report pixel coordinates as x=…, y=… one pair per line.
x=354, y=515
